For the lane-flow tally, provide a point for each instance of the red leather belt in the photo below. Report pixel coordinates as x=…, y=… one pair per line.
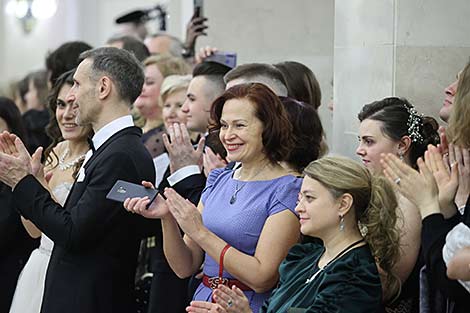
x=213, y=282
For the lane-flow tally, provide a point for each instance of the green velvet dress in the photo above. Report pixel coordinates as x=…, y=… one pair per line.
x=350, y=284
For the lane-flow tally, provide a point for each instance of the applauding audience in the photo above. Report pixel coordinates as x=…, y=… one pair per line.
x=445, y=230
x=354, y=214
x=244, y=224
x=392, y=125
x=238, y=155
x=63, y=157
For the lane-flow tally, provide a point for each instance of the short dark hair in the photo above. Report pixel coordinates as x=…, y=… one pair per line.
x=301, y=82
x=271, y=76
x=23, y=86
x=307, y=132
x=132, y=44
x=65, y=58
x=39, y=80
x=277, y=130
x=213, y=72
x=394, y=114
x=12, y=116
x=121, y=66
x=210, y=68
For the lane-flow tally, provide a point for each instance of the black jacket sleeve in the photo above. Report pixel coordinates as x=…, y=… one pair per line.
x=84, y=224
x=435, y=229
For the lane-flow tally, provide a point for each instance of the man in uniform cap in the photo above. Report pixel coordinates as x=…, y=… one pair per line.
x=133, y=23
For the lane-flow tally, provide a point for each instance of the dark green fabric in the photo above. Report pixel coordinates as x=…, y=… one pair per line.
x=351, y=284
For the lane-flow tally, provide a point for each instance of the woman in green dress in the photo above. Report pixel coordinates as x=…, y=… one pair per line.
x=354, y=214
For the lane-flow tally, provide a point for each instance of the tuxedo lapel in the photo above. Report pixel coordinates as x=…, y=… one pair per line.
x=128, y=130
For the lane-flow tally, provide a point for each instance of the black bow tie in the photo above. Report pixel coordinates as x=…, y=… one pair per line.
x=90, y=144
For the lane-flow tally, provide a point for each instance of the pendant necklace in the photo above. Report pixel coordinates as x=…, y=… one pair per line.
x=312, y=278
x=233, y=199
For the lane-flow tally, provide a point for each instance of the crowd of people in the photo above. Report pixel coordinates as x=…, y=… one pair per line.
x=253, y=212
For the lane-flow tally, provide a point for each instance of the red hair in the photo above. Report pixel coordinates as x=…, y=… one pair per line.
x=277, y=130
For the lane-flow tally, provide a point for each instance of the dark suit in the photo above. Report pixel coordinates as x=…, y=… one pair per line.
x=190, y=188
x=93, y=263
x=15, y=247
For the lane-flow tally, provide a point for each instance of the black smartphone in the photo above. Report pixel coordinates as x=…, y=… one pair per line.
x=123, y=190
x=198, y=8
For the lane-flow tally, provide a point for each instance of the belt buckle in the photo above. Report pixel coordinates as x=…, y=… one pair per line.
x=215, y=281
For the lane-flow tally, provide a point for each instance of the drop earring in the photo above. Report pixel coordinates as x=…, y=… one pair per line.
x=341, y=223
x=400, y=155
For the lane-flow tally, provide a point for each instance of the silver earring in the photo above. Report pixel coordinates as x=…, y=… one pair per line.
x=341, y=223
x=400, y=155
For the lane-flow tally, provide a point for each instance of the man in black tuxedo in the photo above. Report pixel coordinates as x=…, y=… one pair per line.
x=92, y=266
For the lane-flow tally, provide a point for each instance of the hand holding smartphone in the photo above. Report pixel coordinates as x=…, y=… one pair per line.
x=123, y=190
x=198, y=8
x=226, y=58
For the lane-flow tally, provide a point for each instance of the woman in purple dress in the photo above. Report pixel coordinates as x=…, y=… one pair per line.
x=245, y=222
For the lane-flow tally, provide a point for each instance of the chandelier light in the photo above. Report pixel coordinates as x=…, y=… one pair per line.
x=29, y=11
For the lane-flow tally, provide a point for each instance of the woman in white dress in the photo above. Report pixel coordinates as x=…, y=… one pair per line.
x=63, y=157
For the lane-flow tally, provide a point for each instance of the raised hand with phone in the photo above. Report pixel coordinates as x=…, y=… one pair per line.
x=195, y=28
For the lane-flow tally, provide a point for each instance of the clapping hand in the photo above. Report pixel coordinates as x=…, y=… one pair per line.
x=447, y=183
x=226, y=301
x=185, y=213
x=204, y=307
x=461, y=156
x=157, y=209
x=437, y=187
x=418, y=187
x=180, y=149
x=233, y=300
x=15, y=161
x=212, y=161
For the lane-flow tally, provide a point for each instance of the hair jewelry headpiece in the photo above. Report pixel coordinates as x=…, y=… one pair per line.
x=415, y=124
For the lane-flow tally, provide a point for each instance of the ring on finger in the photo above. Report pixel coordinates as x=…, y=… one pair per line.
x=229, y=302
x=397, y=180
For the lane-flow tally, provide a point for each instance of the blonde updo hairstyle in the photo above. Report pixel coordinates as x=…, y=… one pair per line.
x=375, y=207
x=171, y=84
x=168, y=64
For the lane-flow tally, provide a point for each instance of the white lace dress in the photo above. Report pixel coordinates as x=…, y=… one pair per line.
x=30, y=286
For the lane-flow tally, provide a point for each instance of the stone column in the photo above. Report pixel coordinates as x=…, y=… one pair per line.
x=405, y=48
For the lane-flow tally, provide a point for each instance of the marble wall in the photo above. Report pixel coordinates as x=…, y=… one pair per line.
x=274, y=31
x=372, y=48
x=406, y=48
x=258, y=30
